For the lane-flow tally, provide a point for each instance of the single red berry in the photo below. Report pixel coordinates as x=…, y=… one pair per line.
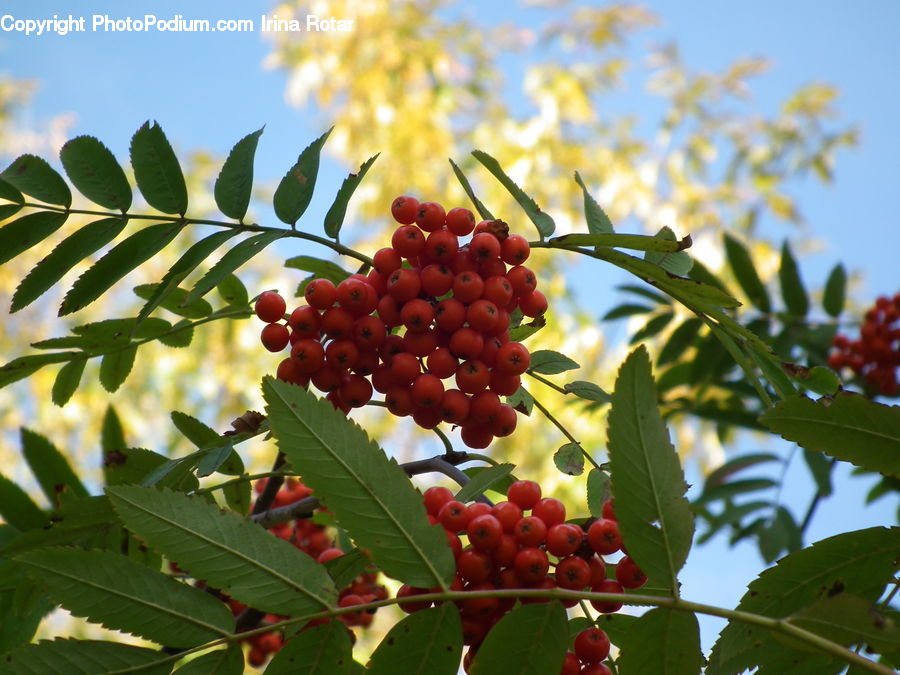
x=417, y=314
x=460, y=221
x=629, y=574
x=420, y=343
x=442, y=363
x=369, y=332
x=404, y=368
x=479, y=607
x=335, y=399
x=455, y=406
x=450, y=314
x=404, y=284
x=476, y=436
x=468, y=287
x=522, y=280
x=551, y=511
x=591, y=645
x=530, y=531
x=514, y=249
x=454, y=543
x=609, y=509
x=508, y=513
x=329, y=554
x=327, y=378
x=435, y=497
x=441, y=246
x=274, y=336
x=337, y=323
x=503, y=384
x=531, y=565
x=289, y=372
x=386, y=260
x=430, y=216
x=485, y=406
x=607, y=606
x=498, y=290
x=355, y=391
x=482, y=315
x=308, y=355
x=406, y=591
x=493, y=267
x=352, y=295
x=505, y=422
x=342, y=353
x=504, y=555
x=320, y=293
x=573, y=573
x=571, y=665
x=437, y=279
x=270, y=307
x=305, y=321
x=524, y=493
x=598, y=570
x=513, y=359
x=472, y=376
x=534, y=304
x=466, y=343
x=484, y=246
x=427, y=391
x=399, y=400
x=454, y=516
x=408, y=241
x=564, y=539
x=404, y=209
x=603, y=536
x=596, y=669
x=257, y=657
x=473, y=565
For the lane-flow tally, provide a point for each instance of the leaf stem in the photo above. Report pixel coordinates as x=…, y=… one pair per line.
x=565, y=432
x=550, y=384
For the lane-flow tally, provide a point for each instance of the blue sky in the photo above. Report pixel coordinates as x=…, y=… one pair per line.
x=209, y=90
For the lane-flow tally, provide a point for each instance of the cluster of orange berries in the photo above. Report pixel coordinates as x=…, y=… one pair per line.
x=453, y=303
x=314, y=540
x=875, y=355
x=510, y=549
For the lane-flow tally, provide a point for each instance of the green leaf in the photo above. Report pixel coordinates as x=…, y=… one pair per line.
x=652, y=328
x=847, y=619
x=818, y=379
x=67, y=380
x=112, y=436
x=110, y=589
x=214, y=459
x=23, y=233
x=320, y=650
x=569, y=459
x=232, y=260
x=232, y=290
x=485, y=479
x=656, y=298
x=370, y=495
x=320, y=268
x=549, y=362
x=521, y=401
x=542, y=221
x=429, y=642
x=19, y=620
x=525, y=330
x=732, y=466
x=745, y=272
x=116, y=366
x=93, y=169
x=235, y=182
x=9, y=193
x=588, y=391
x=35, y=177
x=858, y=563
x=662, y=641
x=26, y=365
x=85, y=522
x=679, y=341
x=598, y=491
x=194, y=430
x=792, y=290
x=624, y=310
x=228, y=661
x=637, y=242
x=540, y=635
x=64, y=257
x=157, y=171
x=344, y=569
x=119, y=261
x=483, y=212
x=133, y=465
x=500, y=487
x=174, y=301
x=296, y=188
x=820, y=469
x=17, y=508
x=50, y=467
x=616, y=626
x=835, y=291
x=334, y=219
x=7, y=211
x=83, y=657
x=186, y=264
x=849, y=427
x=677, y=262
x=597, y=220
x=655, y=518
x=733, y=488
x=229, y=552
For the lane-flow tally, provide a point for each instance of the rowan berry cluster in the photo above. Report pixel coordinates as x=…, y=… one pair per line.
x=432, y=309
x=875, y=355
x=526, y=543
x=314, y=540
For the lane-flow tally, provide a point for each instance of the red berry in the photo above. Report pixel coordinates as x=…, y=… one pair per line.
x=482, y=315
x=408, y=241
x=524, y=493
x=454, y=516
x=531, y=565
x=564, y=539
x=337, y=323
x=404, y=368
x=352, y=295
x=522, y=280
x=484, y=247
x=455, y=406
x=571, y=665
x=404, y=284
x=460, y=221
x=342, y=353
x=289, y=372
x=629, y=574
x=607, y=606
x=472, y=376
x=603, y=536
x=609, y=509
x=498, y=290
x=420, y=343
x=505, y=422
x=404, y=209
x=329, y=554
x=441, y=246
x=508, y=513
x=591, y=645
x=530, y=531
x=533, y=304
x=598, y=570
x=437, y=279
x=435, y=497
x=408, y=592
x=270, y=307
x=473, y=565
x=476, y=436
x=399, y=400
x=427, y=391
x=514, y=249
x=485, y=406
x=369, y=332
x=355, y=391
x=596, y=669
x=513, y=359
x=320, y=293
x=466, y=343
x=305, y=321
x=503, y=384
x=327, y=378
x=573, y=573
x=417, y=314
x=450, y=314
x=275, y=336
x=468, y=287
x=308, y=355
x=386, y=260
x=430, y=216
x=480, y=607
x=551, y=511
x=442, y=363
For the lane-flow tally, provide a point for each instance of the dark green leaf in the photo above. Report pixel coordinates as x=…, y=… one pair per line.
x=847, y=619
x=93, y=169
x=820, y=469
x=116, y=366
x=525, y=330
x=134, y=465
x=732, y=466
x=334, y=219
x=85, y=522
x=83, y=657
x=588, y=391
x=67, y=380
x=677, y=262
x=238, y=496
x=224, y=548
x=194, y=430
x=542, y=221
x=235, y=182
x=467, y=187
x=621, y=311
x=858, y=563
x=23, y=233
x=655, y=297
x=636, y=242
x=119, y=261
x=485, y=479
x=110, y=589
x=320, y=650
x=662, y=641
x=679, y=341
x=17, y=508
x=849, y=427
x=112, y=436
x=655, y=519
x=174, y=301
x=370, y=495
x=780, y=534
x=429, y=641
x=818, y=379
x=296, y=188
x=9, y=193
x=26, y=365
x=7, y=211
x=35, y=177
x=598, y=491
x=232, y=290
x=540, y=635
x=745, y=272
x=597, y=220
x=652, y=327
x=320, y=268
x=157, y=171
x=50, y=467
x=214, y=459
x=699, y=272
x=64, y=257
x=500, y=487
x=344, y=569
x=569, y=459
x=549, y=362
x=19, y=619
x=616, y=626
x=181, y=335
x=733, y=488
x=232, y=260
x=521, y=401
x=792, y=290
x=186, y=264
x=229, y=661
x=835, y=291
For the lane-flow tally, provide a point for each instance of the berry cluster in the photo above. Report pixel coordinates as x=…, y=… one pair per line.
x=876, y=354
x=511, y=549
x=314, y=540
x=452, y=303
